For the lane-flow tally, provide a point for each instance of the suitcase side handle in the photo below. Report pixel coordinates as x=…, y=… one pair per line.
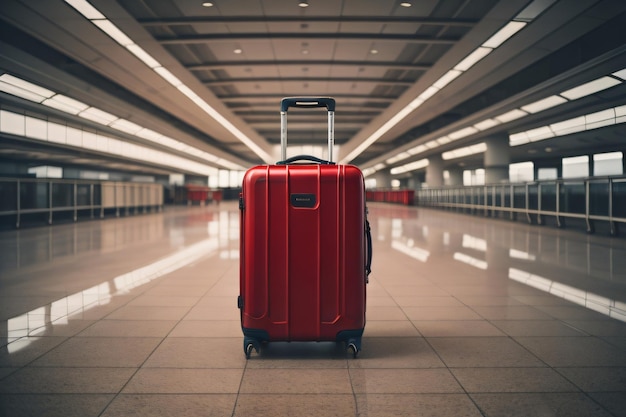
x=304, y=158
x=368, y=239
x=327, y=102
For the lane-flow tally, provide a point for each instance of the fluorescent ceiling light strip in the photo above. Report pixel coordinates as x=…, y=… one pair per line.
x=20, y=92
x=590, y=121
x=465, y=151
x=511, y=115
x=577, y=124
x=589, y=88
x=88, y=140
x=470, y=130
x=496, y=40
x=544, y=104
x=417, y=149
x=74, y=107
x=126, y=126
x=377, y=134
x=540, y=133
x=517, y=139
x=98, y=115
x=222, y=120
x=66, y=104
x=486, y=124
x=432, y=144
x=146, y=58
x=110, y=29
x=447, y=78
x=416, y=103
x=168, y=76
x=86, y=9
x=428, y=93
x=600, y=119
x=26, y=86
x=504, y=34
x=143, y=56
x=620, y=114
x=620, y=74
x=471, y=60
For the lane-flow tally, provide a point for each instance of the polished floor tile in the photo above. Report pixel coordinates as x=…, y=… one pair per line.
x=305, y=405
x=486, y=380
x=168, y=405
x=418, y=405
x=466, y=316
x=184, y=381
x=539, y=405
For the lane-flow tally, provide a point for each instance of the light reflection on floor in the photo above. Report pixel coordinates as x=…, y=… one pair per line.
x=466, y=316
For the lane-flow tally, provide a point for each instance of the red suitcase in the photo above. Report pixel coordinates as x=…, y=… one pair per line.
x=305, y=248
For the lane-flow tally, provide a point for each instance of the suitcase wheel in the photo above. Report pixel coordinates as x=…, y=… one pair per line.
x=248, y=345
x=353, y=347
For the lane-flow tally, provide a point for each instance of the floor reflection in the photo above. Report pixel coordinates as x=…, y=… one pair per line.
x=219, y=232
x=587, y=270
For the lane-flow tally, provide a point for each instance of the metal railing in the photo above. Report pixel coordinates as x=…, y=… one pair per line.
x=589, y=199
x=44, y=200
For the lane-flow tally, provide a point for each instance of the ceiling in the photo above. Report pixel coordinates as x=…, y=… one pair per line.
x=374, y=57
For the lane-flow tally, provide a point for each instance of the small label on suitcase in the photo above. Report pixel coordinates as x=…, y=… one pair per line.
x=303, y=200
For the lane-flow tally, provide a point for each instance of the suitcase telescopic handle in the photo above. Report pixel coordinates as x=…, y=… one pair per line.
x=327, y=102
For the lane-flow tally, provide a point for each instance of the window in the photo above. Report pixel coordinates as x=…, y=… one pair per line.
x=608, y=163
x=547, y=173
x=522, y=172
x=474, y=177
x=576, y=166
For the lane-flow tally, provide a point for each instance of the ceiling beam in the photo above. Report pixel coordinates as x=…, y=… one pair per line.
x=379, y=81
x=375, y=37
x=232, y=64
x=180, y=21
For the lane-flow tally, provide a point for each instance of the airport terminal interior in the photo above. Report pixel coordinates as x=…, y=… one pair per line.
x=491, y=138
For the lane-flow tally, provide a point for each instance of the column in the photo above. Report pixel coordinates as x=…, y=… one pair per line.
x=456, y=176
x=434, y=171
x=416, y=180
x=497, y=159
x=383, y=178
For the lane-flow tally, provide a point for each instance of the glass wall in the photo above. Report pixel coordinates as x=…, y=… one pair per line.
x=608, y=164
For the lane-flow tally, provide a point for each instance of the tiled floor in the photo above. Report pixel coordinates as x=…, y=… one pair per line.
x=467, y=316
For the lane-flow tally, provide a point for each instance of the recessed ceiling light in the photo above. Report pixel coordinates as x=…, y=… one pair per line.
x=207, y=4
x=303, y=3
x=373, y=51
x=405, y=4
x=237, y=51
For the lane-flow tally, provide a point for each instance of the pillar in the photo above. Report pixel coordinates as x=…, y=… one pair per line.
x=456, y=176
x=383, y=178
x=415, y=180
x=434, y=171
x=497, y=159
